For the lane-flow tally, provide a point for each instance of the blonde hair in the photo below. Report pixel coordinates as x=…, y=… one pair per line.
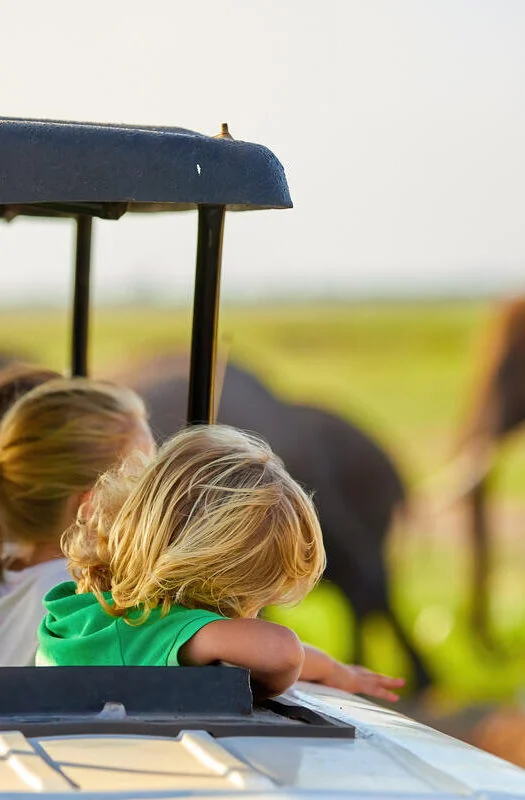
x=215, y=521
x=55, y=442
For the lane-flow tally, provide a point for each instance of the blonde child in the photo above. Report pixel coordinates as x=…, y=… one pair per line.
x=175, y=563
x=54, y=444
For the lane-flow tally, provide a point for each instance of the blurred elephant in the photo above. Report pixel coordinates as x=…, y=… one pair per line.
x=357, y=488
x=497, y=410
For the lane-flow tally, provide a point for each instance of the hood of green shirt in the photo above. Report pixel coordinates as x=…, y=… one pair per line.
x=69, y=613
x=74, y=628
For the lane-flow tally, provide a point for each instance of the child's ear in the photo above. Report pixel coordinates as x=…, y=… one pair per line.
x=84, y=502
x=85, y=496
x=80, y=501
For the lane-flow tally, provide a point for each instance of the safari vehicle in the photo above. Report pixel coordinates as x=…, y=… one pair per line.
x=142, y=732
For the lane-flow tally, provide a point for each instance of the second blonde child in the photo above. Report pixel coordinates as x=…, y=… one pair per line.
x=55, y=442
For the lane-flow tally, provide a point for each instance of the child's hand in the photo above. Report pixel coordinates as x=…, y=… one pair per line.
x=319, y=667
x=359, y=680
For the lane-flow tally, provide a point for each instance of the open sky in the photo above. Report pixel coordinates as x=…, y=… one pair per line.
x=400, y=123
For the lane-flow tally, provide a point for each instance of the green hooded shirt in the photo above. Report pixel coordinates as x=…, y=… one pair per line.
x=78, y=632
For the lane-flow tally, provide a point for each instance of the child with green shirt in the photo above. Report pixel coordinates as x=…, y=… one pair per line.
x=175, y=561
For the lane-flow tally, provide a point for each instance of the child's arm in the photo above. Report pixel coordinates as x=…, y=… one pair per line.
x=276, y=659
x=272, y=653
x=319, y=667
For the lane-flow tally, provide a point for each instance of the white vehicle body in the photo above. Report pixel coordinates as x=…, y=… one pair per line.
x=390, y=757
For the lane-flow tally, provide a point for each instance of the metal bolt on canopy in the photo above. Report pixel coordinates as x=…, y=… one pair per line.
x=225, y=133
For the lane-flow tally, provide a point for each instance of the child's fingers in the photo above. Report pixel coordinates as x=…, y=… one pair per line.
x=362, y=681
x=381, y=686
x=384, y=694
x=363, y=672
x=381, y=680
x=391, y=683
x=386, y=679
x=376, y=688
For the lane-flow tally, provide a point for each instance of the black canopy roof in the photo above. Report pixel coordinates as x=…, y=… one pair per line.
x=52, y=167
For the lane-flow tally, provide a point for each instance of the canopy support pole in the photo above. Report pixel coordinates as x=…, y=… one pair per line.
x=79, y=338
x=205, y=315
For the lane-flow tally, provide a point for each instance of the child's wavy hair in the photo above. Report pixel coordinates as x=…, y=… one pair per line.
x=54, y=443
x=214, y=522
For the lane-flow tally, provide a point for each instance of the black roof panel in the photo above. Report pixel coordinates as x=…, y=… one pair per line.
x=52, y=165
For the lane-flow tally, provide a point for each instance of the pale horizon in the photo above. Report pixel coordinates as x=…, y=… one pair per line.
x=400, y=127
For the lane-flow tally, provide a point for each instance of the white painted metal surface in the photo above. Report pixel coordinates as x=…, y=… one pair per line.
x=392, y=757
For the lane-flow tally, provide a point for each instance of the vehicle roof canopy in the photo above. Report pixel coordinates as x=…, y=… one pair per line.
x=54, y=168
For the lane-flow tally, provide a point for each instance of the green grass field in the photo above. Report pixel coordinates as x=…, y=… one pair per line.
x=405, y=372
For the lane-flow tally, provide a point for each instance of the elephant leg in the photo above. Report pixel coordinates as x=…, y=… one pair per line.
x=358, y=594
x=358, y=649
x=422, y=678
x=480, y=574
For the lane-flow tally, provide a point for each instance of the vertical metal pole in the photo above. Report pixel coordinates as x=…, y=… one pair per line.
x=79, y=339
x=205, y=314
